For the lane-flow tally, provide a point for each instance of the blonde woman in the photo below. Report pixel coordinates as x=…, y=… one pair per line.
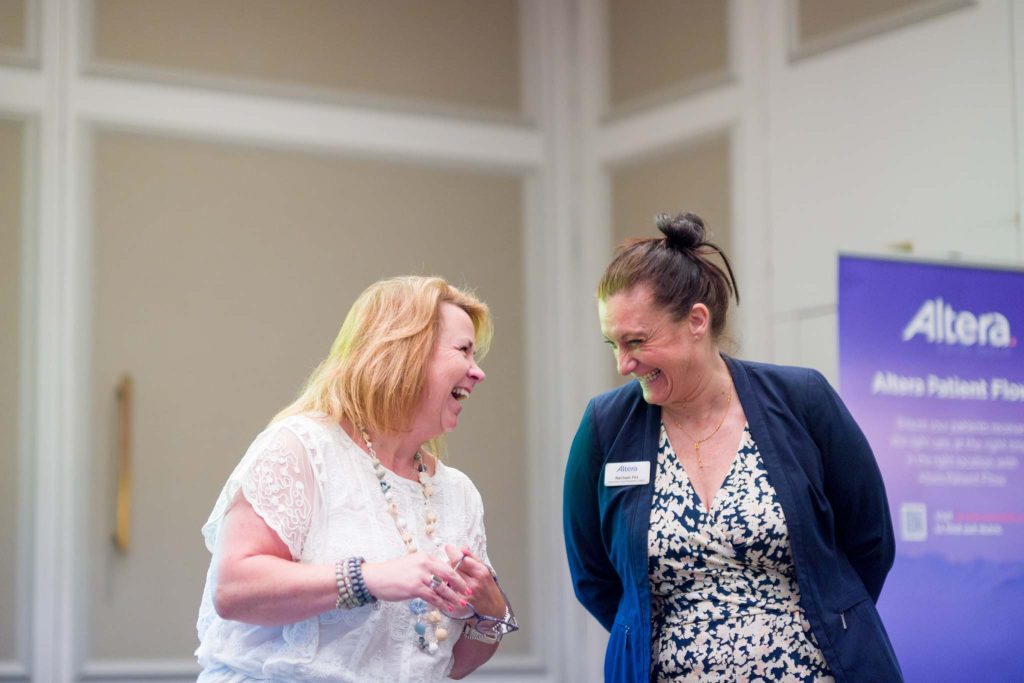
x=343, y=549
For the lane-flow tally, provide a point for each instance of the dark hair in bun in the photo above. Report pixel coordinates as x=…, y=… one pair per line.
x=679, y=269
x=682, y=231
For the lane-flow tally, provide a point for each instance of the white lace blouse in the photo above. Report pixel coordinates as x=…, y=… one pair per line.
x=316, y=488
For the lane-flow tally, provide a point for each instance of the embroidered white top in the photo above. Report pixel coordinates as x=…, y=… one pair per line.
x=316, y=488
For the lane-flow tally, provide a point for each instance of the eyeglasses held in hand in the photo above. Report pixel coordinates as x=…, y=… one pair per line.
x=486, y=624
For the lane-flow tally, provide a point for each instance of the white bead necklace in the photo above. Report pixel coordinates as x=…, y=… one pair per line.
x=427, y=637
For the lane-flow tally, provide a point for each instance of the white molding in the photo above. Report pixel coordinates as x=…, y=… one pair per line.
x=53, y=409
x=486, y=675
x=508, y=667
x=751, y=196
x=134, y=73
x=77, y=350
x=647, y=132
x=25, y=582
x=535, y=250
x=79, y=585
x=552, y=277
x=539, y=504
x=884, y=23
x=306, y=125
x=520, y=670
x=21, y=91
x=586, y=361
x=673, y=93
x=139, y=669
x=1016, y=10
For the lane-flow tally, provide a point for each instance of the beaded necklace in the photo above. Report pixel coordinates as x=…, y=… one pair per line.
x=429, y=631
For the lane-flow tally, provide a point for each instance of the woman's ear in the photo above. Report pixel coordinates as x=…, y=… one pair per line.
x=699, y=321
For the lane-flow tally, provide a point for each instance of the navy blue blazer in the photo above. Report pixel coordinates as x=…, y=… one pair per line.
x=828, y=485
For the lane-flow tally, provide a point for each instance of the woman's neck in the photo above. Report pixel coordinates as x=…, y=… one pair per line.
x=709, y=394
x=396, y=452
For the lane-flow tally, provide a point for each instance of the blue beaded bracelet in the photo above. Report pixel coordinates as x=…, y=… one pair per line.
x=352, y=590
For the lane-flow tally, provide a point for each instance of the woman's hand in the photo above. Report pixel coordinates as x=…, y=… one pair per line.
x=483, y=591
x=411, y=576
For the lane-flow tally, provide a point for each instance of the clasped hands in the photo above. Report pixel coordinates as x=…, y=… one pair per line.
x=439, y=583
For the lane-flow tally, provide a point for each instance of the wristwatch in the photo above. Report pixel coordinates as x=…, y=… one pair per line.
x=469, y=632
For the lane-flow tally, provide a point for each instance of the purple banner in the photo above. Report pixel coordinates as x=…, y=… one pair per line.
x=931, y=368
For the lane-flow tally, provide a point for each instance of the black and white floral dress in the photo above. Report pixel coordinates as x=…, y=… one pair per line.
x=724, y=598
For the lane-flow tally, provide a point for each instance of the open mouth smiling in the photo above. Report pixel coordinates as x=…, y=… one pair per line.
x=649, y=377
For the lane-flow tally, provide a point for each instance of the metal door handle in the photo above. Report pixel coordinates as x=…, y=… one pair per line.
x=124, y=463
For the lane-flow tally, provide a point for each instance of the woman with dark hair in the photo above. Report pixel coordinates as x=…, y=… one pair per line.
x=724, y=520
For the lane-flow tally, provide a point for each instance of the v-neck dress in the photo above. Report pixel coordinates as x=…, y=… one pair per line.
x=724, y=598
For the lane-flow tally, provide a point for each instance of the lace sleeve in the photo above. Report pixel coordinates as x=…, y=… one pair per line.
x=277, y=478
x=280, y=487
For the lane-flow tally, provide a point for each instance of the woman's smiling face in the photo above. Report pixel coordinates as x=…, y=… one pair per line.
x=451, y=374
x=662, y=353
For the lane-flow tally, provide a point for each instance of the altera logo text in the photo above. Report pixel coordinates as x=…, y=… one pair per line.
x=939, y=323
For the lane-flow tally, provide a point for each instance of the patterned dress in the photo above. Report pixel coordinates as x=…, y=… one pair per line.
x=724, y=597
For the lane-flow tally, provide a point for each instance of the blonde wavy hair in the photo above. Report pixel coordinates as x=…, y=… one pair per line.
x=376, y=370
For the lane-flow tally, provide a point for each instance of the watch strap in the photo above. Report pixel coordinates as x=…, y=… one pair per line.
x=469, y=632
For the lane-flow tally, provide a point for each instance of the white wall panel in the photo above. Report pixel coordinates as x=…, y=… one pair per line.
x=905, y=137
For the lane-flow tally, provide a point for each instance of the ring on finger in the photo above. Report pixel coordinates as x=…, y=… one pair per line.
x=435, y=582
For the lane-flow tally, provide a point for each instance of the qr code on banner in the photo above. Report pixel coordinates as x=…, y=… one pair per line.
x=914, y=522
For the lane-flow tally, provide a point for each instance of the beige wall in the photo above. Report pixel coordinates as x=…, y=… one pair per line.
x=821, y=18
x=694, y=178
x=11, y=163
x=221, y=276
x=454, y=52
x=12, y=24
x=664, y=46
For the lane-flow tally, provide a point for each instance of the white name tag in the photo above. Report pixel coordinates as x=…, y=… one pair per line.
x=627, y=473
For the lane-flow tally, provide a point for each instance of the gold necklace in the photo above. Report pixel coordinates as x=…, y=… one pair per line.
x=698, y=442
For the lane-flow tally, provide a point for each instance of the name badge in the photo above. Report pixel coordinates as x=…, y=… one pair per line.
x=627, y=473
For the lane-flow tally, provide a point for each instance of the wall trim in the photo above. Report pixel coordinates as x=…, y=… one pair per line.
x=175, y=670
x=665, y=96
x=551, y=282
x=1017, y=83
x=133, y=73
x=890, y=21
x=138, y=669
x=24, y=92
x=649, y=131
x=750, y=139
x=304, y=125
x=25, y=582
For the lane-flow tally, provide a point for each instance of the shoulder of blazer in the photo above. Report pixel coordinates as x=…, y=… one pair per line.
x=787, y=384
x=620, y=401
